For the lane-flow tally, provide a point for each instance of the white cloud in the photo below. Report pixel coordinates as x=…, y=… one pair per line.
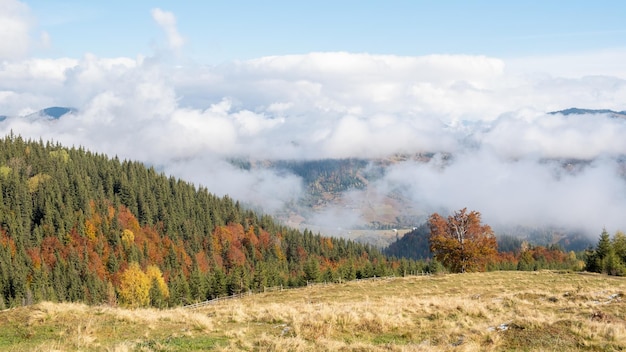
x=607, y=62
x=263, y=187
x=320, y=110
x=557, y=136
x=188, y=120
x=518, y=192
x=15, y=25
x=167, y=21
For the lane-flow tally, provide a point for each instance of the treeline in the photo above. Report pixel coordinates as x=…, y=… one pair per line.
x=413, y=245
x=513, y=253
x=80, y=226
x=609, y=255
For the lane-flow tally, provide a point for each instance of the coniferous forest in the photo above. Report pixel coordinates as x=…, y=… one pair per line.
x=81, y=226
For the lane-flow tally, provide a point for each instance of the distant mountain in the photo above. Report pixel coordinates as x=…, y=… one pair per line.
x=577, y=111
x=50, y=113
x=54, y=112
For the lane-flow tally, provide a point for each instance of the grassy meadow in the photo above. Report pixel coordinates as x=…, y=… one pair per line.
x=496, y=311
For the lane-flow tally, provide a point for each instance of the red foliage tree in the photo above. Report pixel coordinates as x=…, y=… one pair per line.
x=203, y=262
x=49, y=246
x=460, y=242
x=265, y=239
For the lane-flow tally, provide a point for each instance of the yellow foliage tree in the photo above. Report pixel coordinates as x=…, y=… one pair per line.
x=35, y=181
x=155, y=275
x=128, y=238
x=134, y=290
x=61, y=155
x=5, y=171
x=90, y=230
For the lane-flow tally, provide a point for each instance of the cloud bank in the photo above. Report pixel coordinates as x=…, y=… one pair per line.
x=14, y=29
x=17, y=39
x=489, y=114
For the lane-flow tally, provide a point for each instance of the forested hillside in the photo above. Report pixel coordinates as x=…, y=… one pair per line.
x=80, y=226
x=513, y=253
x=414, y=244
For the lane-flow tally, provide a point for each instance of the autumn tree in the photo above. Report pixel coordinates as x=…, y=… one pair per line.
x=619, y=244
x=461, y=242
x=73, y=222
x=134, y=290
x=159, y=292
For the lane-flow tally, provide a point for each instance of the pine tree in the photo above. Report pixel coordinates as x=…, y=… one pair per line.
x=218, y=284
x=197, y=286
x=595, y=258
x=71, y=221
x=180, y=293
x=312, y=270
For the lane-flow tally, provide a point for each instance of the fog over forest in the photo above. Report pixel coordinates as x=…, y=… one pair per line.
x=491, y=115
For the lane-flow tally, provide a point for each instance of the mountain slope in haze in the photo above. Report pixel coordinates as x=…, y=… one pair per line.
x=577, y=111
x=49, y=113
x=332, y=183
x=78, y=226
x=56, y=112
x=344, y=194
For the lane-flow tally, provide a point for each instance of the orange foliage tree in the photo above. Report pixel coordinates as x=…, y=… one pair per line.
x=460, y=242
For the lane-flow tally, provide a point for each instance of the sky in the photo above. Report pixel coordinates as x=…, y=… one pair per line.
x=221, y=31
x=188, y=86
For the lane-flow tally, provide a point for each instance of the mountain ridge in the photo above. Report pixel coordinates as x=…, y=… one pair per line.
x=49, y=113
x=578, y=111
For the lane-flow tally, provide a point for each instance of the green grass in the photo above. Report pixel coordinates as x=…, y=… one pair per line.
x=170, y=344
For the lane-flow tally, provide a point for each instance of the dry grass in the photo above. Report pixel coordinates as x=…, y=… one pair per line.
x=546, y=311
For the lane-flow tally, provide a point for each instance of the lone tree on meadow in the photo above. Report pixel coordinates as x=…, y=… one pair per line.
x=460, y=242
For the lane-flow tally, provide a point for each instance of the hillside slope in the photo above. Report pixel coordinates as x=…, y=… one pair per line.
x=78, y=226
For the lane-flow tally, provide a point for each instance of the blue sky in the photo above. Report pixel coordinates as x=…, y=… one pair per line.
x=219, y=31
